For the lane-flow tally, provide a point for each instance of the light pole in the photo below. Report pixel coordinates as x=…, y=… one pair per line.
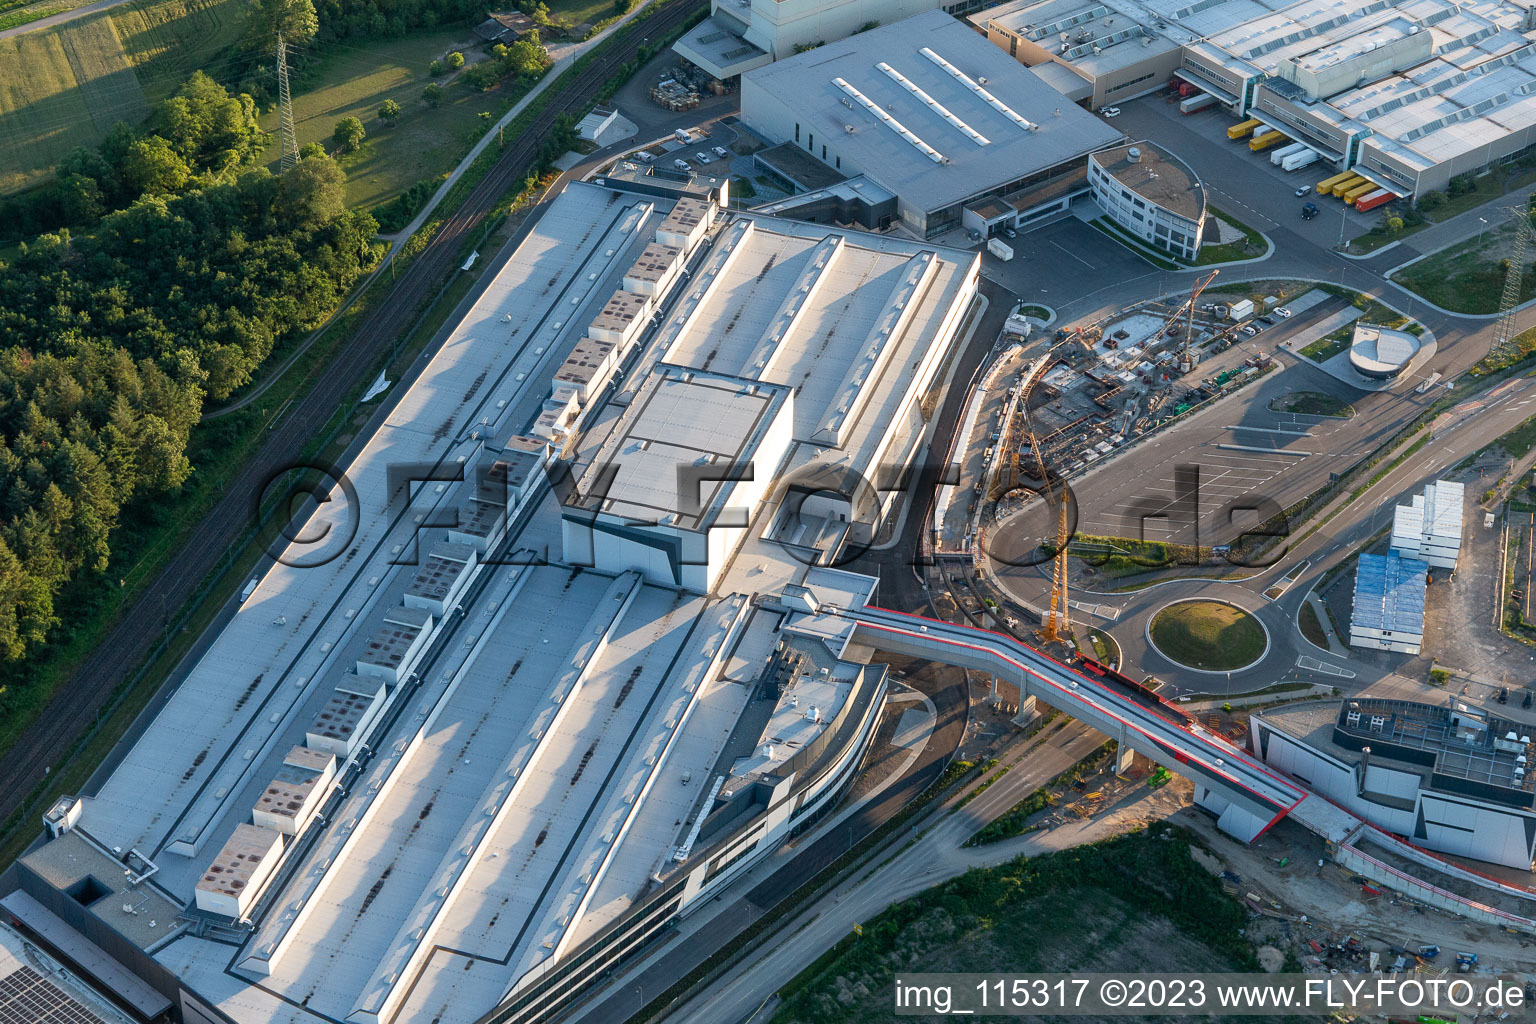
x=1484, y=222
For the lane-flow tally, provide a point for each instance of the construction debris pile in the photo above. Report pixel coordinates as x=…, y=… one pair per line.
x=679, y=87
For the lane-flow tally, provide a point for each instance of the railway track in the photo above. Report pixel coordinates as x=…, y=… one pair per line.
x=132, y=638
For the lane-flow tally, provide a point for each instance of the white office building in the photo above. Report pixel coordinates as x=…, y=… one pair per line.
x=1429, y=527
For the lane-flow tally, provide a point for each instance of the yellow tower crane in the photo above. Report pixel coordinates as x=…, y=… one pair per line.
x=1058, y=622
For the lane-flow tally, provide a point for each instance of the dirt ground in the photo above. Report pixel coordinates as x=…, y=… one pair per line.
x=1324, y=905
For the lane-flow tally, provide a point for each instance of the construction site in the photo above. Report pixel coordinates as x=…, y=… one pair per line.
x=1104, y=384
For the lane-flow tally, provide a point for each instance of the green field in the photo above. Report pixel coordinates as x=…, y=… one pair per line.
x=351, y=80
x=581, y=12
x=1466, y=278
x=1137, y=903
x=1208, y=635
x=66, y=86
x=1312, y=403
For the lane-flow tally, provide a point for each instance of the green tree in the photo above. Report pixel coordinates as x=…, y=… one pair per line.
x=389, y=110
x=80, y=200
x=313, y=193
x=153, y=167
x=295, y=19
x=433, y=94
x=209, y=129
x=349, y=134
x=527, y=57
x=435, y=68
x=310, y=150
x=455, y=60
x=1394, y=225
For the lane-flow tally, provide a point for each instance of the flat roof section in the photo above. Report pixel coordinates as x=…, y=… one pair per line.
x=622, y=308
x=342, y=713
x=897, y=132
x=236, y=863
x=795, y=165
x=682, y=418
x=395, y=637
x=654, y=262
x=73, y=858
x=440, y=570
x=1390, y=593
x=1157, y=176
x=685, y=216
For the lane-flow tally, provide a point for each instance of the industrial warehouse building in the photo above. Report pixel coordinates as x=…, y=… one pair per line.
x=740, y=35
x=1453, y=778
x=653, y=423
x=1388, y=610
x=1429, y=527
x=1408, y=94
x=958, y=132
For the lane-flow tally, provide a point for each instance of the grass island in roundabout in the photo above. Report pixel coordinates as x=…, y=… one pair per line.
x=1212, y=636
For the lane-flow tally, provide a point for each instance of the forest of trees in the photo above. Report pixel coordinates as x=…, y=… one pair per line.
x=113, y=338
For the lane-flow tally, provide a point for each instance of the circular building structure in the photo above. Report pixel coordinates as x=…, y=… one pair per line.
x=1381, y=353
x=1150, y=193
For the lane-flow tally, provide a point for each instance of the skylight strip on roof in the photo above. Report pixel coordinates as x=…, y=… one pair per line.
x=889, y=121
x=933, y=104
x=975, y=87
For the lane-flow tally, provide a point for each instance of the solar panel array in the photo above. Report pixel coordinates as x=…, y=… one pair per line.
x=26, y=997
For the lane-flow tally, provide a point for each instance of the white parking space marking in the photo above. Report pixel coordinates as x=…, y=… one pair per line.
x=1074, y=255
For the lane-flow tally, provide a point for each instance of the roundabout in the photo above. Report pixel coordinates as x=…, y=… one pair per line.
x=1208, y=635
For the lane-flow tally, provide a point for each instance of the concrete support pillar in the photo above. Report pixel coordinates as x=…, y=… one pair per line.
x=992, y=691
x=1123, y=753
x=1027, y=711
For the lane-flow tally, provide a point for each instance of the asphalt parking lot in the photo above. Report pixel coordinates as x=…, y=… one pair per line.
x=1240, y=181
x=1069, y=260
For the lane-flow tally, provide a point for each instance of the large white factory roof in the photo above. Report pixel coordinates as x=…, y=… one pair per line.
x=532, y=781
x=906, y=104
x=1475, y=84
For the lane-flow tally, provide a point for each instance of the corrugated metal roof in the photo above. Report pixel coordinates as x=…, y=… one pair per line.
x=1389, y=593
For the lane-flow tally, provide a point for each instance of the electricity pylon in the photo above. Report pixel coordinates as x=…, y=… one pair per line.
x=290, y=142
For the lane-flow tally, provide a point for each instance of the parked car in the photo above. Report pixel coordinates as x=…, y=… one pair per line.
x=681, y=165
x=704, y=158
x=1249, y=330
x=1282, y=313
x=1304, y=190
x=645, y=156
x=1110, y=111
x=1010, y=232
x=722, y=152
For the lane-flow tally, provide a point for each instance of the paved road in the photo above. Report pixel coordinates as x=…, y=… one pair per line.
x=61, y=18
x=140, y=626
x=935, y=856
x=629, y=994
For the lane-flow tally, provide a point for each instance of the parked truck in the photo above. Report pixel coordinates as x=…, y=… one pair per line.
x=1371, y=200
x=1279, y=155
x=1348, y=185
x=1243, y=129
x=1306, y=158
x=1360, y=191
x=1259, y=143
x=999, y=248
x=1325, y=186
x=1195, y=103
x=1242, y=309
